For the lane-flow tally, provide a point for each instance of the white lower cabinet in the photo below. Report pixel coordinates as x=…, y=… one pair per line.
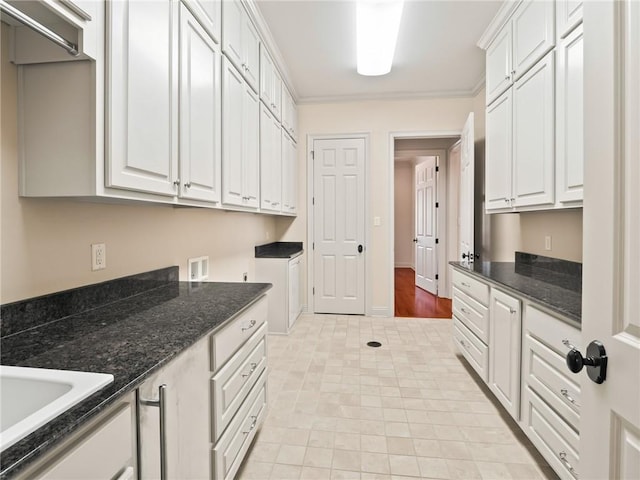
x=524, y=365
x=285, y=304
x=504, y=350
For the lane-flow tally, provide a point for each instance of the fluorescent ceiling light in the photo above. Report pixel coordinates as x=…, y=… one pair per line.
x=377, y=25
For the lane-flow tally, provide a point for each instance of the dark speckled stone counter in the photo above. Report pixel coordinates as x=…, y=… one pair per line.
x=130, y=338
x=279, y=250
x=558, y=291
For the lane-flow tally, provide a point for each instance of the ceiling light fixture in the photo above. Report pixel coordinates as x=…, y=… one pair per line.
x=377, y=26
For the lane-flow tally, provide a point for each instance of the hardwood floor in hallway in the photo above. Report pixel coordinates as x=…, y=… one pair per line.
x=412, y=301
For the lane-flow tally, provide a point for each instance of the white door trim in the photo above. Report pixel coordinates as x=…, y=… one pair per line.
x=310, y=218
x=441, y=198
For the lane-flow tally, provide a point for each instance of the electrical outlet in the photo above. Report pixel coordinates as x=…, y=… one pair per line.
x=245, y=276
x=547, y=242
x=98, y=256
x=376, y=221
x=198, y=270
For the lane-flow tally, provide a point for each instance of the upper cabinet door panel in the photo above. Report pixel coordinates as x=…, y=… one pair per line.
x=568, y=16
x=533, y=34
x=233, y=88
x=251, y=53
x=498, y=152
x=232, y=19
x=200, y=111
x=533, y=135
x=251, y=148
x=498, y=64
x=209, y=14
x=142, y=141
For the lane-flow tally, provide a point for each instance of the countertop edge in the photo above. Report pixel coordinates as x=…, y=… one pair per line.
x=562, y=315
x=73, y=426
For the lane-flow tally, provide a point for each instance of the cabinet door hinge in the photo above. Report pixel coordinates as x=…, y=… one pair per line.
x=313, y=290
x=313, y=155
x=436, y=276
x=313, y=200
x=437, y=168
x=437, y=204
x=313, y=246
x=437, y=241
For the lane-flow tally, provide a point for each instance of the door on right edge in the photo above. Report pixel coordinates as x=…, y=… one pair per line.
x=610, y=413
x=466, y=190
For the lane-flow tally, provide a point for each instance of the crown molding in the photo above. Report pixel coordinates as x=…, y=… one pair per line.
x=479, y=86
x=498, y=22
x=269, y=42
x=388, y=96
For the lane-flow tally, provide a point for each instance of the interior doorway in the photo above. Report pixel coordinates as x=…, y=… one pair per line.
x=411, y=223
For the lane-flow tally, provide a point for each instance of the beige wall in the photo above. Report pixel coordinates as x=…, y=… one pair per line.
x=379, y=119
x=403, y=214
x=45, y=244
x=563, y=226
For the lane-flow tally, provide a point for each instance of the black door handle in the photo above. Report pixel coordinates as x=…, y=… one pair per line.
x=360, y=248
x=596, y=361
x=415, y=240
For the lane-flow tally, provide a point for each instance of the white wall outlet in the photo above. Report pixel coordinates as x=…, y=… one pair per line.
x=376, y=221
x=245, y=276
x=98, y=256
x=547, y=242
x=198, y=269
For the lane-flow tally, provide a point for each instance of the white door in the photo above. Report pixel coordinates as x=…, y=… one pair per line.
x=610, y=414
x=232, y=120
x=467, y=200
x=200, y=111
x=426, y=224
x=339, y=225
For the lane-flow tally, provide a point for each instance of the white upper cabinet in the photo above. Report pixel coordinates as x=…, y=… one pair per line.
x=142, y=115
x=498, y=170
x=240, y=133
x=526, y=38
x=289, y=114
x=270, y=162
x=498, y=64
x=240, y=41
x=209, y=14
x=568, y=16
x=533, y=34
x=289, y=175
x=533, y=136
x=200, y=112
x=570, y=118
x=270, y=84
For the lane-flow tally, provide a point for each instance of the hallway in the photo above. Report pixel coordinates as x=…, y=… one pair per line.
x=411, y=301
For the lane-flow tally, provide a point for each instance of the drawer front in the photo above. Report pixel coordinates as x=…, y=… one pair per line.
x=232, y=447
x=472, y=287
x=473, y=314
x=551, y=331
x=546, y=372
x=233, y=381
x=474, y=350
x=226, y=342
x=555, y=439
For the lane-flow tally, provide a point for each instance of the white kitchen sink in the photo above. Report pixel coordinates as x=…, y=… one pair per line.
x=30, y=397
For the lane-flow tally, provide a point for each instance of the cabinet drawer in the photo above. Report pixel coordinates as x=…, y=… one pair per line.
x=233, y=381
x=476, y=352
x=546, y=373
x=551, y=331
x=226, y=342
x=555, y=439
x=473, y=314
x=232, y=447
x=472, y=287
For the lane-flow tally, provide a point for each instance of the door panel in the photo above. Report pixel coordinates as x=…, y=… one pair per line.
x=339, y=225
x=467, y=191
x=426, y=224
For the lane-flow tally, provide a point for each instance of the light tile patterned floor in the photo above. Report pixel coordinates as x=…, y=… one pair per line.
x=339, y=409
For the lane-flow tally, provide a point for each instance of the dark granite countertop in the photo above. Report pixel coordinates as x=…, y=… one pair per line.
x=279, y=250
x=558, y=292
x=130, y=337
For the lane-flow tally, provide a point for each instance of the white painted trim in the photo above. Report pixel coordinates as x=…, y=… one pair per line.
x=479, y=85
x=442, y=199
x=404, y=265
x=388, y=96
x=381, y=312
x=499, y=21
x=366, y=136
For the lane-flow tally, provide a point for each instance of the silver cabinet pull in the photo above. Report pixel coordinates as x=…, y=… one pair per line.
x=465, y=285
x=252, y=324
x=568, y=344
x=161, y=403
x=177, y=182
x=466, y=347
x=512, y=310
x=253, y=369
x=565, y=393
x=563, y=458
x=187, y=185
x=464, y=310
x=252, y=426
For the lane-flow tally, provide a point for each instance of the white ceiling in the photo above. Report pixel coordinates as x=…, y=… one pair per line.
x=436, y=53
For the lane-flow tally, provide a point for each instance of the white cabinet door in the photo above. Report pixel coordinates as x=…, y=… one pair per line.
x=270, y=162
x=570, y=118
x=289, y=113
x=498, y=65
x=250, y=52
x=232, y=119
x=142, y=118
x=504, y=350
x=232, y=18
x=200, y=112
x=289, y=175
x=533, y=34
x=568, y=16
x=294, y=290
x=187, y=413
x=533, y=135
x=209, y=14
x=250, y=148
x=270, y=83
x=498, y=170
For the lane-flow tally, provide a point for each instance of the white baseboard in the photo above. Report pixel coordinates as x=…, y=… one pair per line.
x=381, y=312
x=404, y=265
